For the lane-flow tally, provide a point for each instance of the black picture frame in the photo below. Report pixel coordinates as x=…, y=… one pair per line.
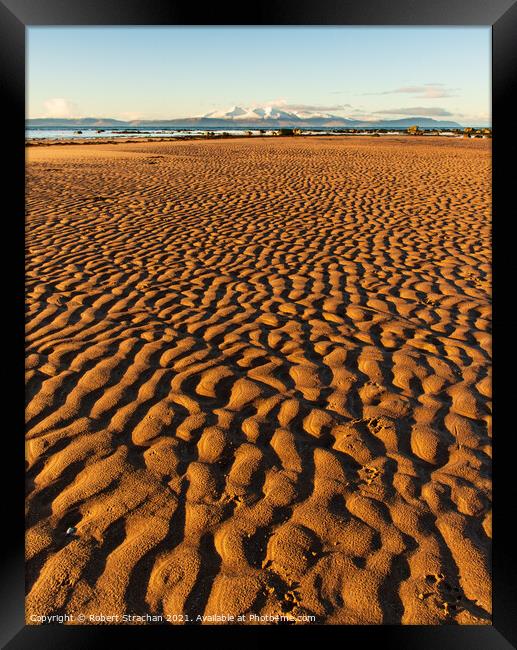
x=16, y=15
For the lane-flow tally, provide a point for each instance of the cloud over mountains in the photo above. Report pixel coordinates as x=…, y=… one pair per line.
x=425, y=91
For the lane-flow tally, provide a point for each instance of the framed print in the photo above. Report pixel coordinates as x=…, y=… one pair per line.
x=257, y=266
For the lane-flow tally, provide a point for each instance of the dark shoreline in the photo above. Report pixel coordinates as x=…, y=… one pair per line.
x=42, y=142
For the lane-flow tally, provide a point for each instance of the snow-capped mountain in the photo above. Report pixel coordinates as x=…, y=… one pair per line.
x=254, y=117
x=278, y=116
x=237, y=113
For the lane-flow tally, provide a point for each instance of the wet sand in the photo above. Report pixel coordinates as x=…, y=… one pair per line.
x=258, y=380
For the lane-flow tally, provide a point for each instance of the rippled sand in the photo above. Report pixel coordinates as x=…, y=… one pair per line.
x=258, y=379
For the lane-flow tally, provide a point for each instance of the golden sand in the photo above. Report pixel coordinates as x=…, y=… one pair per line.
x=258, y=380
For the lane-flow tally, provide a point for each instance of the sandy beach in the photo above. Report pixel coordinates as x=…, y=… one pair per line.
x=258, y=381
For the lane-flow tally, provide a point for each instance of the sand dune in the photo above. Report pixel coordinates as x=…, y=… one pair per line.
x=258, y=379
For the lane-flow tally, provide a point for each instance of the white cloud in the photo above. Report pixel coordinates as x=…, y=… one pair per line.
x=128, y=116
x=476, y=119
x=60, y=107
x=426, y=91
x=316, y=108
x=423, y=111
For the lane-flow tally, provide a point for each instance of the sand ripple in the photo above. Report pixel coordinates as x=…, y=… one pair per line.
x=258, y=379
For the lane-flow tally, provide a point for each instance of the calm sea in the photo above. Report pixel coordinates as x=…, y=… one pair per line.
x=126, y=132
x=65, y=133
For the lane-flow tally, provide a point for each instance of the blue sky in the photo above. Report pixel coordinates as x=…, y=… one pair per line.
x=168, y=72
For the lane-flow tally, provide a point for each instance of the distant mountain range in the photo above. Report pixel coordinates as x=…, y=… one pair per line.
x=237, y=117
